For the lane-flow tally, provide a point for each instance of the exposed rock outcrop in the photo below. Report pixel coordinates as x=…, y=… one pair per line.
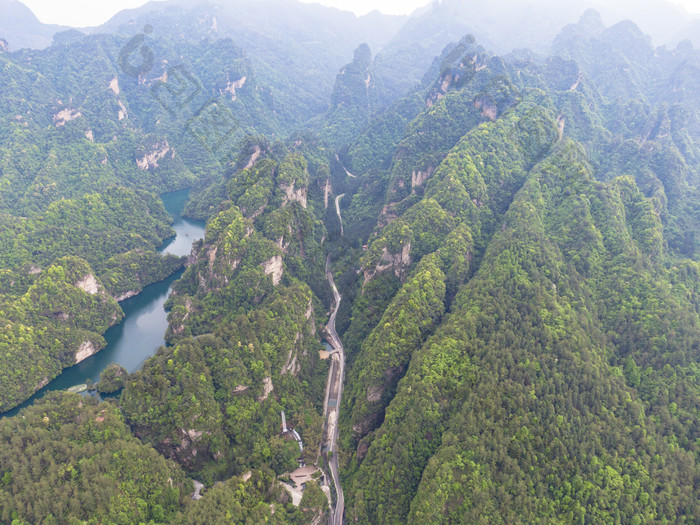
x=114, y=85
x=84, y=351
x=397, y=262
x=327, y=190
x=41, y=384
x=157, y=152
x=257, y=152
x=419, y=177
x=231, y=87
x=89, y=284
x=179, y=328
x=292, y=365
x=374, y=393
x=122, y=112
x=275, y=268
x=193, y=434
x=125, y=295
x=487, y=107
x=309, y=315
x=293, y=194
x=66, y=115
x=267, y=389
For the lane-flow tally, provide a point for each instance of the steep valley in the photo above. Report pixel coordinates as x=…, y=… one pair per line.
x=472, y=298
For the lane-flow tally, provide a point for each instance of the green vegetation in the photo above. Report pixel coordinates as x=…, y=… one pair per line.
x=353, y=100
x=69, y=460
x=259, y=499
x=574, y=283
x=63, y=269
x=242, y=325
x=517, y=260
x=416, y=309
x=214, y=402
x=112, y=379
x=521, y=333
x=50, y=326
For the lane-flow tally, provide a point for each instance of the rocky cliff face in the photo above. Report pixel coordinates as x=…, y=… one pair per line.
x=86, y=350
x=153, y=154
x=66, y=115
x=89, y=284
x=274, y=267
x=293, y=194
x=398, y=263
x=353, y=100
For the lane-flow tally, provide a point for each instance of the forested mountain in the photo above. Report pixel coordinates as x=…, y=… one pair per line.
x=295, y=46
x=563, y=246
x=506, y=25
x=88, y=114
x=513, y=236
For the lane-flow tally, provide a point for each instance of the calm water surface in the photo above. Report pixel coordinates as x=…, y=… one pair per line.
x=142, y=331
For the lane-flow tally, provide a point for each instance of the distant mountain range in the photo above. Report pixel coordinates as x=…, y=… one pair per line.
x=287, y=34
x=506, y=197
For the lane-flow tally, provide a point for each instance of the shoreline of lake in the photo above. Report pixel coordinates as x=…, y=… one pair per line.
x=142, y=330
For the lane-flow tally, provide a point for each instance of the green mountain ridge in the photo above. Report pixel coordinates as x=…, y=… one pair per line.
x=513, y=238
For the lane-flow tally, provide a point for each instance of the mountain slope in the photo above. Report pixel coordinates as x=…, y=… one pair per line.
x=292, y=44
x=503, y=26
x=549, y=364
x=495, y=381
x=513, y=239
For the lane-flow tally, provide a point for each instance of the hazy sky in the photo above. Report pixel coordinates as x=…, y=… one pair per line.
x=94, y=12
x=360, y=7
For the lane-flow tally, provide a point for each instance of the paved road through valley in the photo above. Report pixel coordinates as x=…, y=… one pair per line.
x=335, y=392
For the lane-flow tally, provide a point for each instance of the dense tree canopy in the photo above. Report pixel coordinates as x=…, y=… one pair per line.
x=515, y=242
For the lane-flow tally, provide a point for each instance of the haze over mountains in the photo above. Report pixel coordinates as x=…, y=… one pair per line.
x=22, y=28
x=318, y=36
x=493, y=24
x=506, y=195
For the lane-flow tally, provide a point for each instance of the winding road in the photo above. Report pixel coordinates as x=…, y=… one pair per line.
x=333, y=397
x=346, y=170
x=337, y=210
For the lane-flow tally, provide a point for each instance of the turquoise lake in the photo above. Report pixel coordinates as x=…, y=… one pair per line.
x=142, y=331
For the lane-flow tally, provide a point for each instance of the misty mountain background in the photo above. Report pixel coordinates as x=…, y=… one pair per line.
x=286, y=36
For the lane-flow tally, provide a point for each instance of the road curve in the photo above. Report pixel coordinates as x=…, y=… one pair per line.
x=346, y=170
x=335, y=392
x=337, y=210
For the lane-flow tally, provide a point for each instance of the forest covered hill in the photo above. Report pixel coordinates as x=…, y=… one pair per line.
x=513, y=234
